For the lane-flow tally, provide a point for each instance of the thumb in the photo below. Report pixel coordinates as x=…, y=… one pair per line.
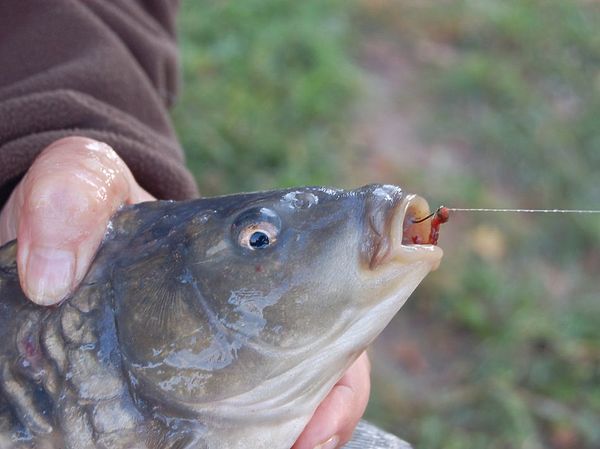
x=62, y=208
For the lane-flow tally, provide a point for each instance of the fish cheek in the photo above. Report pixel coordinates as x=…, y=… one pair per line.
x=166, y=339
x=319, y=292
x=184, y=324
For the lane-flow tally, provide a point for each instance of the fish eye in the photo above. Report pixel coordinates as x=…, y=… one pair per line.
x=258, y=235
x=256, y=228
x=259, y=239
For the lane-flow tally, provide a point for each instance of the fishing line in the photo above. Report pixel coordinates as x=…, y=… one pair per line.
x=443, y=211
x=543, y=211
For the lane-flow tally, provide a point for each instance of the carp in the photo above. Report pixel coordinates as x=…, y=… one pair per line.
x=217, y=323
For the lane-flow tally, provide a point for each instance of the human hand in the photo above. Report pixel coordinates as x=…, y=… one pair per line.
x=336, y=417
x=59, y=213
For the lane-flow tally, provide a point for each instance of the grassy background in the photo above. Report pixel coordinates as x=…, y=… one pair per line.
x=500, y=106
x=267, y=84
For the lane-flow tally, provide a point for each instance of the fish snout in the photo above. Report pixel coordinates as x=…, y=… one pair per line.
x=397, y=231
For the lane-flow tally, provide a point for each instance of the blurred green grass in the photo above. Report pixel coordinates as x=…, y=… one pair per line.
x=510, y=89
x=267, y=90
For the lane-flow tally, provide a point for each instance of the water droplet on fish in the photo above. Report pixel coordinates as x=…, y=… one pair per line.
x=300, y=200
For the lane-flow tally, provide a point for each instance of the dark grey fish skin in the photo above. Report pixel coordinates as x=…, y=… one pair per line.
x=217, y=323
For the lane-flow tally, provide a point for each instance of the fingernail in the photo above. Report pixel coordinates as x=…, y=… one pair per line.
x=331, y=443
x=49, y=274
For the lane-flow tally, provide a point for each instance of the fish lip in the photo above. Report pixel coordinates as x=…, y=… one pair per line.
x=393, y=235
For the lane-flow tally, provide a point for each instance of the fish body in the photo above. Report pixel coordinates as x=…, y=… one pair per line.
x=218, y=323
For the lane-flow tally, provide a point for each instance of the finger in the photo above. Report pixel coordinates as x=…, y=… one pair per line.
x=62, y=208
x=336, y=417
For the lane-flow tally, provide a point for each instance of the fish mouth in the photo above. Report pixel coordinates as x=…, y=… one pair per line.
x=397, y=234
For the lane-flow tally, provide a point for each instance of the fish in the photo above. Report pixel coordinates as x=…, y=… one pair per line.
x=215, y=323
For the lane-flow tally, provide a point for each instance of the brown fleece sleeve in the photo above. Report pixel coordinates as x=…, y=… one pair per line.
x=97, y=68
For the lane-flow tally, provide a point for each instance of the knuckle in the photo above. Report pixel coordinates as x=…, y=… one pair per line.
x=57, y=198
x=90, y=168
x=64, y=211
x=76, y=148
x=70, y=140
x=74, y=184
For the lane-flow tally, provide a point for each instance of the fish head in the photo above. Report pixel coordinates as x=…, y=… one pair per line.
x=245, y=306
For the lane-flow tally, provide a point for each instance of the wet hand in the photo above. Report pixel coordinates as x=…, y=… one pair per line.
x=59, y=213
x=336, y=417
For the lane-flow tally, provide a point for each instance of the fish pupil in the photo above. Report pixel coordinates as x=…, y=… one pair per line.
x=259, y=239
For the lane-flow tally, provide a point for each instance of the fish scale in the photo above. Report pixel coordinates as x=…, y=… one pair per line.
x=95, y=388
